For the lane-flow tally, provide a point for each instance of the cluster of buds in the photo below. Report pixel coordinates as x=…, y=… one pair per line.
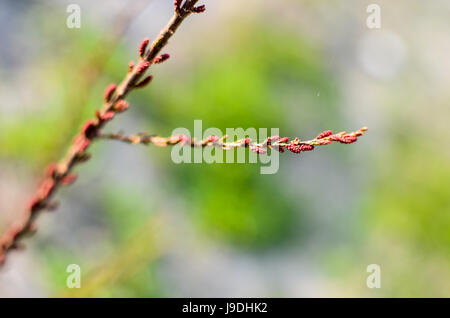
x=109, y=92
x=141, y=67
x=324, y=138
x=274, y=142
x=143, y=47
x=187, y=7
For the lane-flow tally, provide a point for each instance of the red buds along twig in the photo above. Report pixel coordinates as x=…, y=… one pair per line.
x=61, y=174
x=143, y=47
x=121, y=106
x=144, y=82
x=275, y=142
x=109, y=91
x=160, y=59
x=142, y=67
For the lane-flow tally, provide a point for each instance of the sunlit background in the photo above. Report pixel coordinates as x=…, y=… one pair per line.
x=139, y=225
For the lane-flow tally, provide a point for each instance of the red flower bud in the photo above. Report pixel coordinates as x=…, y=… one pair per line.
x=109, y=91
x=348, y=139
x=336, y=138
x=324, y=134
x=89, y=128
x=212, y=139
x=121, y=106
x=143, y=47
x=160, y=59
x=107, y=116
x=306, y=147
x=184, y=140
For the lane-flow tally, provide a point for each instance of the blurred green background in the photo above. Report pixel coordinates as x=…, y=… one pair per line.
x=141, y=226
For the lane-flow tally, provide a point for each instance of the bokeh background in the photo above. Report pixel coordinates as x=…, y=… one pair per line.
x=141, y=226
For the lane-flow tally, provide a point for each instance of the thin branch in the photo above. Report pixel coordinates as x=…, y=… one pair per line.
x=60, y=174
x=274, y=142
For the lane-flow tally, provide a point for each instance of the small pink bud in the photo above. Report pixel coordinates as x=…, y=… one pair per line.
x=143, y=66
x=184, y=140
x=212, y=139
x=121, y=106
x=107, y=116
x=258, y=149
x=143, y=47
x=89, y=128
x=160, y=59
x=348, y=139
x=336, y=138
x=144, y=82
x=109, y=91
x=324, y=134
x=306, y=147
